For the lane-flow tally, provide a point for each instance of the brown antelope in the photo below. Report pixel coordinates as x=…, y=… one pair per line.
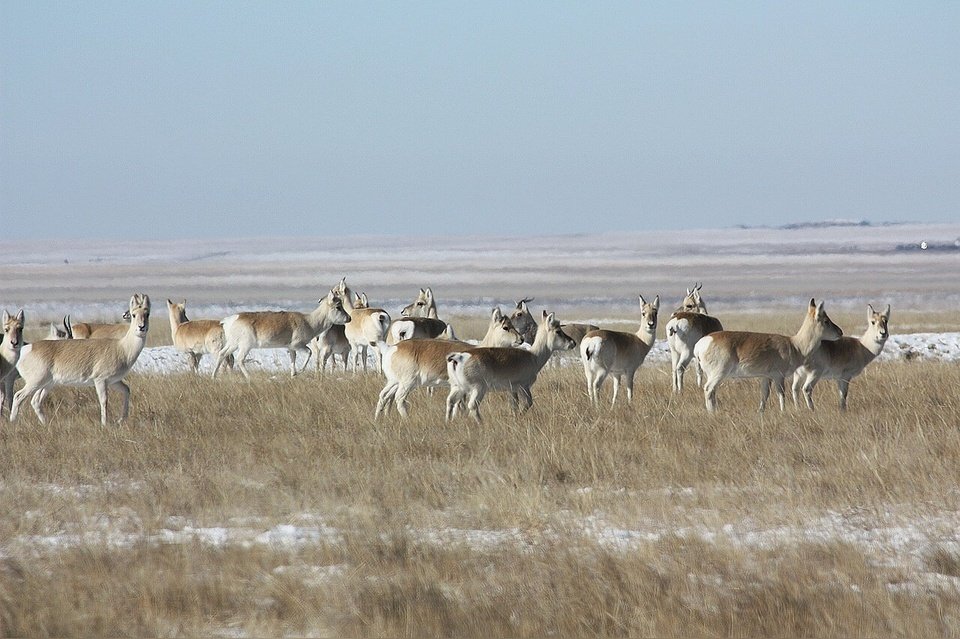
x=88, y=330
x=333, y=342
x=419, y=321
x=194, y=338
x=101, y=362
x=686, y=326
x=474, y=373
x=524, y=321
x=11, y=347
x=606, y=352
x=423, y=362
x=843, y=359
x=424, y=306
x=278, y=329
x=367, y=326
x=61, y=333
x=692, y=302
x=765, y=355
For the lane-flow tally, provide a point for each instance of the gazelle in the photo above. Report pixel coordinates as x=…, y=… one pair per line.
x=333, y=341
x=692, y=301
x=524, y=321
x=424, y=306
x=474, y=373
x=194, y=338
x=617, y=353
x=419, y=321
x=686, y=326
x=765, y=355
x=101, y=362
x=11, y=346
x=423, y=362
x=843, y=359
x=367, y=326
x=56, y=332
x=278, y=329
x=88, y=330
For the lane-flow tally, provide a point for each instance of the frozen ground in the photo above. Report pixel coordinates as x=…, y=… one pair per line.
x=894, y=537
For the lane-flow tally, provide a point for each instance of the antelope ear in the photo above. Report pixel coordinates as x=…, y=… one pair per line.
x=496, y=315
x=820, y=310
x=643, y=302
x=429, y=293
x=169, y=302
x=656, y=302
x=870, y=312
x=6, y=316
x=545, y=315
x=423, y=292
x=813, y=303
x=886, y=313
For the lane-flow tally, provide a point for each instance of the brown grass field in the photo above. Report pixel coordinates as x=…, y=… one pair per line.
x=279, y=507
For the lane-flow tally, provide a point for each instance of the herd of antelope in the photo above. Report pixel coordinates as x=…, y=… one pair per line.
x=419, y=349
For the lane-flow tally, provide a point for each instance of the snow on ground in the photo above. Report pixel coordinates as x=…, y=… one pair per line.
x=166, y=360
x=895, y=539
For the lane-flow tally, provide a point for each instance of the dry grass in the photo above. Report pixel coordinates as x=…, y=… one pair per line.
x=739, y=524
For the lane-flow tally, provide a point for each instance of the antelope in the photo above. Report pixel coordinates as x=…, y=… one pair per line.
x=420, y=319
x=61, y=333
x=278, y=329
x=843, y=359
x=424, y=306
x=101, y=362
x=524, y=321
x=87, y=330
x=333, y=341
x=687, y=325
x=692, y=302
x=604, y=352
x=11, y=347
x=765, y=355
x=474, y=373
x=367, y=326
x=422, y=362
x=195, y=337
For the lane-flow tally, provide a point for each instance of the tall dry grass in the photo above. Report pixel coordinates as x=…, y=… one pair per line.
x=505, y=529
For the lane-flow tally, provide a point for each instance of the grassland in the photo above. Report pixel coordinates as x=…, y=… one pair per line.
x=279, y=506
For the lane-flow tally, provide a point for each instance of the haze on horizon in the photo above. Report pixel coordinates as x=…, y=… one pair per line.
x=195, y=120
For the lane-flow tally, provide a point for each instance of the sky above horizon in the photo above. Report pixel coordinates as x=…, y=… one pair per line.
x=130, y=120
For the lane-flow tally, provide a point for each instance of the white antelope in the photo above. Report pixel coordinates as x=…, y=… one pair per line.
x=423, y=362
x=194, y=338
x=278, y=329
x=686, y=326
x=843, y=359
x=474, y=373
x=56, y=332
x=617, y=353
x=100, y=362
x=765, y=355
x=333, y=342
x=367, y=326
x=10, y=349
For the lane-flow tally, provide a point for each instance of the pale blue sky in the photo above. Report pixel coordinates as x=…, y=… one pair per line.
x=209, y=119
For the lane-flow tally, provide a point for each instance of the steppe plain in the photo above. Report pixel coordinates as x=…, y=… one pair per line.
x=279, y=506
